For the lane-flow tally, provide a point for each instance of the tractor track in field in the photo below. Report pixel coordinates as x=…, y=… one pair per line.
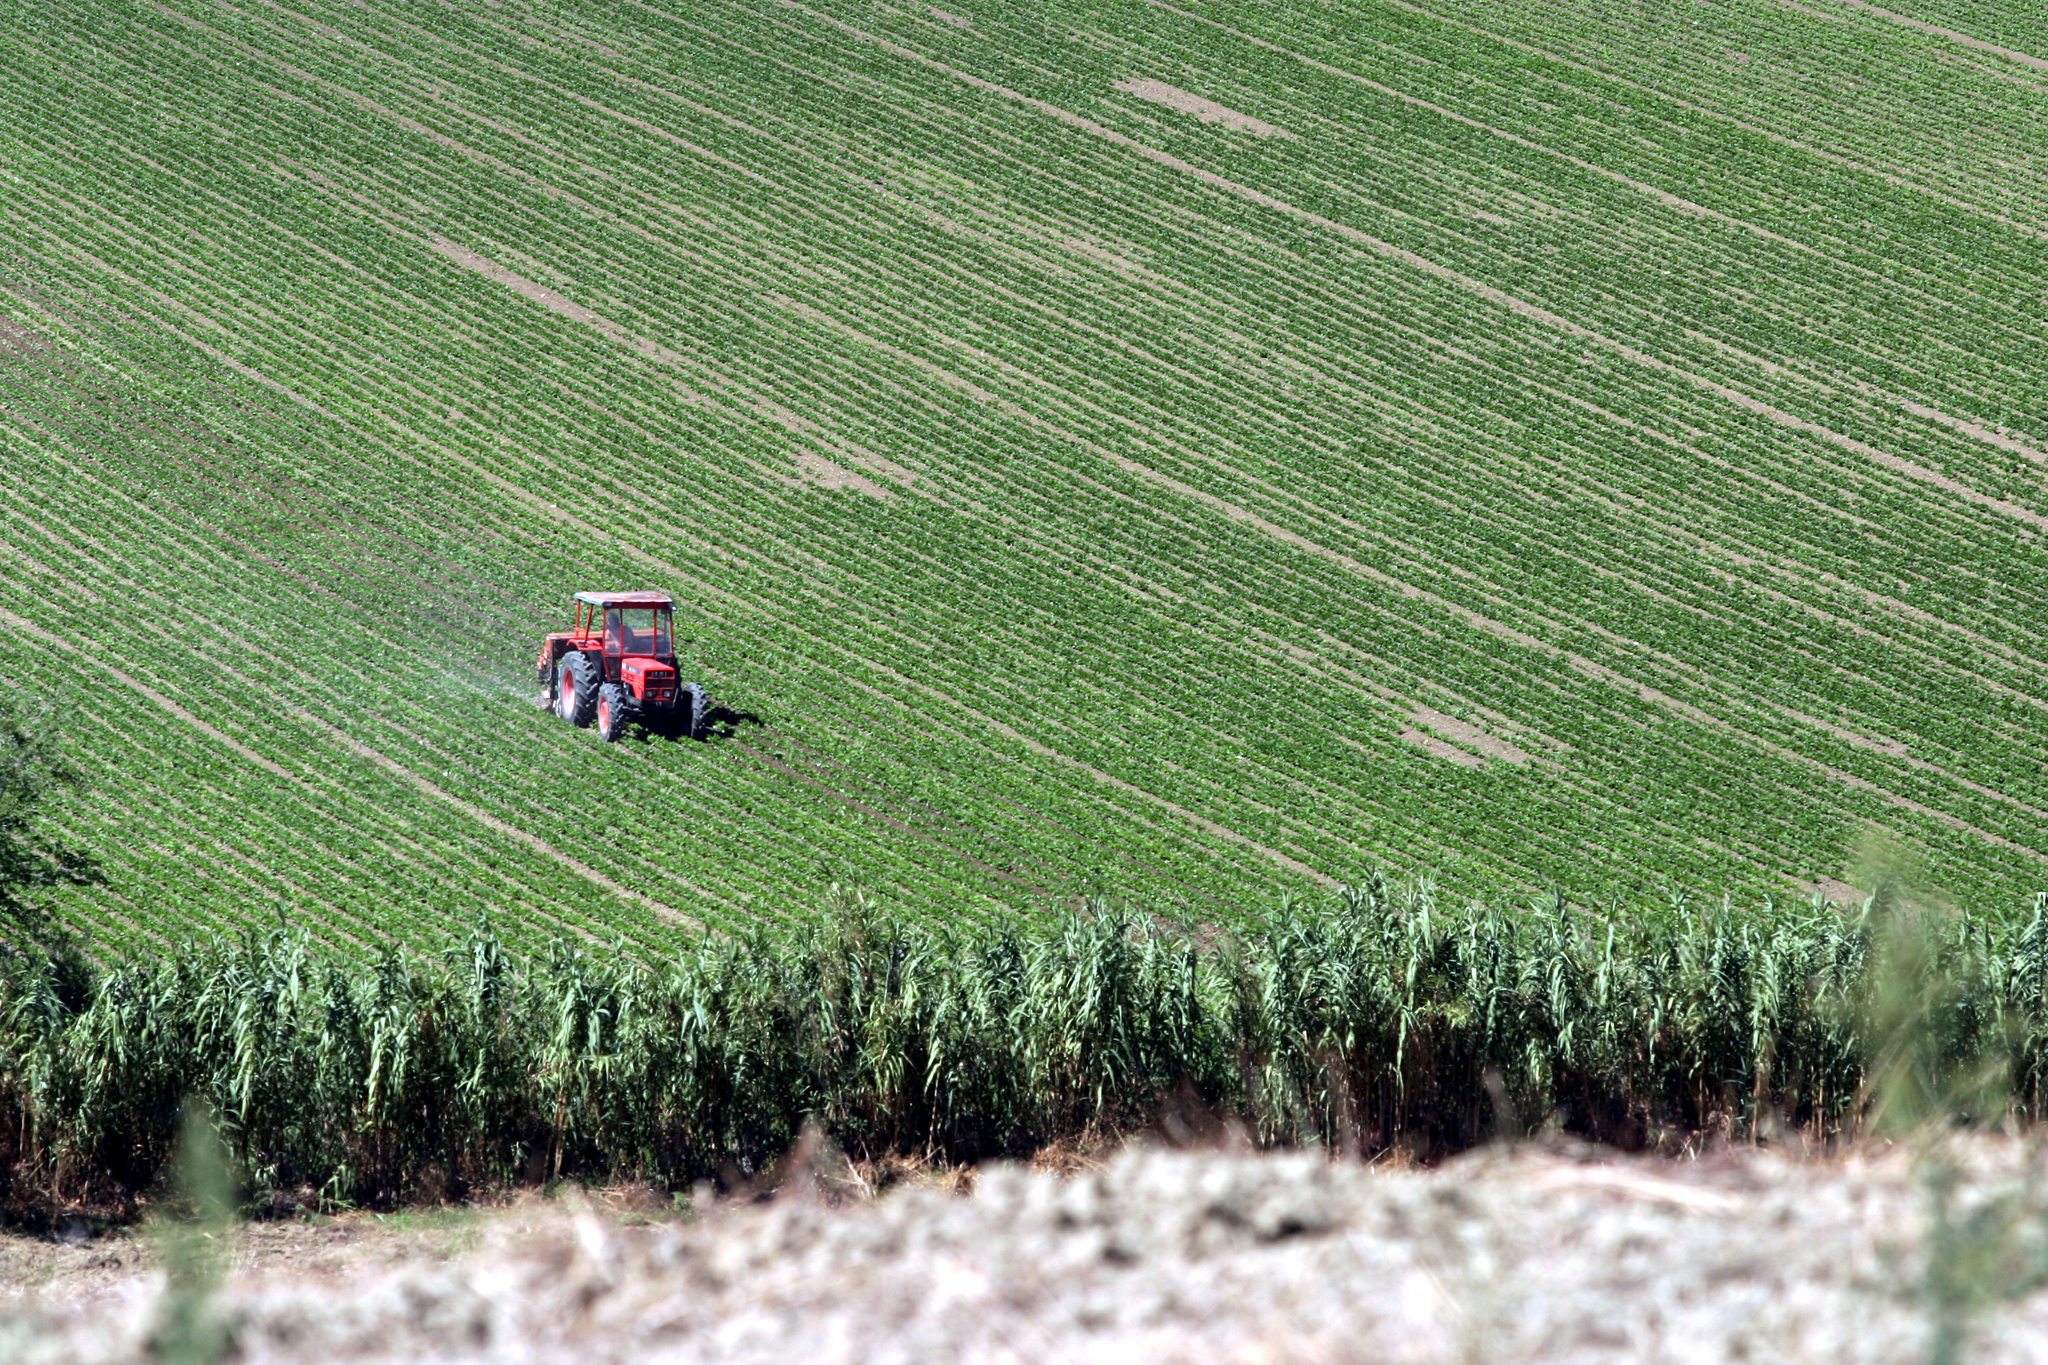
x=1417, y=712
x=1892, y=176
x=15, y=337
x=1202, y=110
x=1948, y=34
x=667, y=913
x=1437, y=747
x=762, y=408
x=851, y=802
x=23, y=626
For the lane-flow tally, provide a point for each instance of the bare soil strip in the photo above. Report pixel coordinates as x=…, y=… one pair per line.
x=554, y=302
x=1833, y=774
x=1898, y=753
x=944, y=376
x=1435, y=747
x=1417, y=713
x=1976, y=431
x=815, y=468
x=15, y=337
x=1206, y=111
x=1452, y=728
x=1478, y=288
x=1837, y=891
x=562, y=305
x=41, y=570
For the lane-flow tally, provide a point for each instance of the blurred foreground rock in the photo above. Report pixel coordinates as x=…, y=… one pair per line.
x=1509, y=1257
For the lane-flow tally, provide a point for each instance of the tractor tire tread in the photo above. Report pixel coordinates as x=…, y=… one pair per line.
x=611, y=707
x=578, y=703
x=693, y=708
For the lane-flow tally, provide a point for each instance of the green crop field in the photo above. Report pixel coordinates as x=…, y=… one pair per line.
x=1184, y=452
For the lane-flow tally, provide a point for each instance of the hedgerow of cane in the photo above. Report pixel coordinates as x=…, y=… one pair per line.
x=1367, y=1020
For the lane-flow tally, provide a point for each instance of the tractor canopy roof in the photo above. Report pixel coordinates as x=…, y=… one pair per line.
x=625, y=599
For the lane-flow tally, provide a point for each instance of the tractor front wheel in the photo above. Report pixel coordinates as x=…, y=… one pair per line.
x=611, y=712
x=693, y=706
x=576, y=685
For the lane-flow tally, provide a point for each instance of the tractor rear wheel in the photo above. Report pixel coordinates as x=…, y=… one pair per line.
x=576, y=689
x=611, y=712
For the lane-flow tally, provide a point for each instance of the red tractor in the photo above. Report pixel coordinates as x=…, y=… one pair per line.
x=617, y=663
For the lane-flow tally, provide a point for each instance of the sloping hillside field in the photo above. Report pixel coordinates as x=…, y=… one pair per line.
x=1182, y=452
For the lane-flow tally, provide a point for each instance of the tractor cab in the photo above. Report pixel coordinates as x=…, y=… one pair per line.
x=626, y=625
x=637, y=631
x=617, y=663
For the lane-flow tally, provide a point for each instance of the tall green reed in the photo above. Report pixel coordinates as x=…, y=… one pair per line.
x=1376, y=1018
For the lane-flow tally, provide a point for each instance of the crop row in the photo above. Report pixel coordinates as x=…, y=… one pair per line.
x=1163, y=444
